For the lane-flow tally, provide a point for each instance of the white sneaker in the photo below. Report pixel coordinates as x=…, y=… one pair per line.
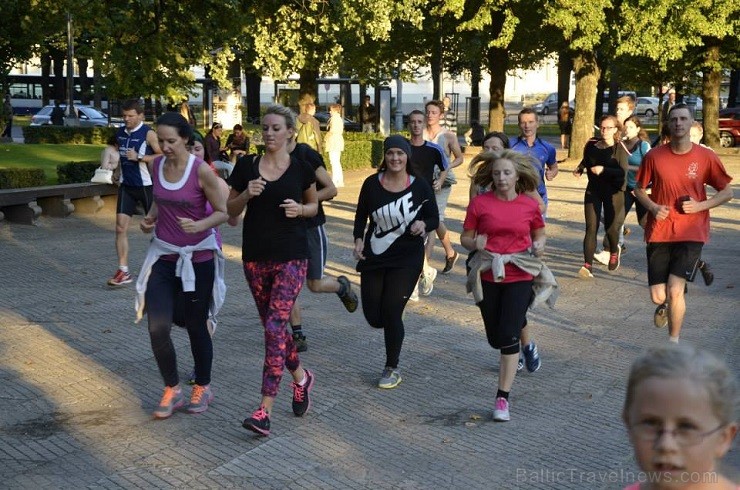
x=602, y=257
x=415, y=293
x=426, y=284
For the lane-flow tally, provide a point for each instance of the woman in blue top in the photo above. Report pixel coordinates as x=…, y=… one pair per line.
x=637, y=144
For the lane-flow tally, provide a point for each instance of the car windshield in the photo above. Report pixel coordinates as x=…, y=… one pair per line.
x=93, y=113
x=45, y=111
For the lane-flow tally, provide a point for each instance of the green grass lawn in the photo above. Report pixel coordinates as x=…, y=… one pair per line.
x=47, y=157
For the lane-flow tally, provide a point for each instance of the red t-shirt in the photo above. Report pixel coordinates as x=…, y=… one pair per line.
x=674, y=176
x=509, y=226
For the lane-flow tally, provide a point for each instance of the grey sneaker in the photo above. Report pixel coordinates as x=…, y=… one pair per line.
x=426, y=282
x=349, y=299
x=450, y=263
x=172, y=399
x=390, y=378
x=200, y=399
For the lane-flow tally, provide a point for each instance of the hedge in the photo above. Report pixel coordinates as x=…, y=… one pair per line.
x=67, y=134
x=76, y=172
x=16, y=178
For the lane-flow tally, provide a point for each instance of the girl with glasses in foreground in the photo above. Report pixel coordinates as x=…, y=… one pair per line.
x=681, y=412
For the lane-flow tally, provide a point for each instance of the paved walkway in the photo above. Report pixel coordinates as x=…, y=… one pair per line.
x=79, y=379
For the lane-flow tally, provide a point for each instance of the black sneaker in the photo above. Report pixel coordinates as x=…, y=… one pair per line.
x=349, y=298
x=660, y=318
x=450, y=263
x=706, y=272
x=301, y=345
x=259, y=422
x=301, y=398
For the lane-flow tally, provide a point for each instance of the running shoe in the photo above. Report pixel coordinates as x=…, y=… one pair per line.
x=349, y=298
x=660, y=318
x=120, y=278
x=520, y=364
x=706, y=272
x=415, y=293
x=602, y=257
x=301, y=345
x=201, y=397
x=426, y=282
x=614, y=260
x=390, y=378
x=532, y=357
x=450, y=263
x=585, y=272
x=301, y=398
x=172, y=399
x=259, y=422
x=501, y=411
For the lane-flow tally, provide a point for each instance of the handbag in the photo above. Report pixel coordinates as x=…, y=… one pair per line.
x=102, y=176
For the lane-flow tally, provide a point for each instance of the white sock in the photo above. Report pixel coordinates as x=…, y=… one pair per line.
x=303, y=381
x=673, y=339
x=123, y=268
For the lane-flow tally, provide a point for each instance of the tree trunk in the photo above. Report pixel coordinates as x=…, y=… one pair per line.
x=46, y=96
x=732, y=98
x=98, y=89
x=308, y=85
x=436, y=67
x=475, y=77
x=587, y=77
x=711, y=80
x=498, y=65
x=252, y=80
x=565, y=66
x=84, y=81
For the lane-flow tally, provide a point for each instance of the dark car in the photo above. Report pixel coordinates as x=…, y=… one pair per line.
x=87, y=115
x=349, y=125
x=729, y=127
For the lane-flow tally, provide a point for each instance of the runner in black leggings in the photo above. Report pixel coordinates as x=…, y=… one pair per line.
x=401, y=210
x=605, y=161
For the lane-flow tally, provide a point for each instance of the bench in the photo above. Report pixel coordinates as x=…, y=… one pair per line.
x=25, y=205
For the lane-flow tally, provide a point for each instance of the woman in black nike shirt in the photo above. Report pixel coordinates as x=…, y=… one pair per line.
x=401, y=210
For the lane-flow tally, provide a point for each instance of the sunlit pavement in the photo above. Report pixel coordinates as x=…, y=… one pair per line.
x=80, y=382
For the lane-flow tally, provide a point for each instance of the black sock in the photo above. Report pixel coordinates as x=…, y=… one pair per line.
x=502, y=394
x=297, y=328
x=342, y=290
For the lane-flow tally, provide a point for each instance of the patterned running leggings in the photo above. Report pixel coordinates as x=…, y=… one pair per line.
x=275, y=287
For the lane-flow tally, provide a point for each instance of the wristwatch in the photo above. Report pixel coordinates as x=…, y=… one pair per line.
x=140, y=159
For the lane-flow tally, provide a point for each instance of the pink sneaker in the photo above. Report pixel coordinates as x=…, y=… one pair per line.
x=501, y=412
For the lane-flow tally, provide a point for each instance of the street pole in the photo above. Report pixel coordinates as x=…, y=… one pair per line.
x=71, y=113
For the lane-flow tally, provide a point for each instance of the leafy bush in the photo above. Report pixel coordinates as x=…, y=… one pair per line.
x=16, y=178
x=361, y=154
x=76, y=172
x=67, y=134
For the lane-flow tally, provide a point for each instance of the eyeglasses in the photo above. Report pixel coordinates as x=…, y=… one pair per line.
x=604, y=128
x=684, y=436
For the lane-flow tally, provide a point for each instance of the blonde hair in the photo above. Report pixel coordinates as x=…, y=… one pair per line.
x=281, y=110
x=481, y=169
x=685, y=362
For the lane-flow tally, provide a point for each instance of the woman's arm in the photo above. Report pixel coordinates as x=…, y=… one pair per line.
x=329, y=190
x=538, y=241
x=147, y=224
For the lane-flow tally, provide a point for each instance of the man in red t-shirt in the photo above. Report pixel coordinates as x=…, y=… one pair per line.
x=678, y=219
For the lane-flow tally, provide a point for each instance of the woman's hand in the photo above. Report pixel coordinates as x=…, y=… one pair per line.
x=418, y=227
x=597, y=169
x=480, y=242
x=255, y=187
x=538, y=247
x=190, y=226
x=359, y=248
x=436, y=185
x=147, y=224
x=292, y=208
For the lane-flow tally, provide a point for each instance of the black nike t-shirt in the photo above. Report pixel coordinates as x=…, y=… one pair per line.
x=267, y=233
x=388, y=242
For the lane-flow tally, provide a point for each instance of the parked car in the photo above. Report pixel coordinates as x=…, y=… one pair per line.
x=349, y=125
x=646, y=106
x=729, y=127
x=87, y=115
x=550, y=105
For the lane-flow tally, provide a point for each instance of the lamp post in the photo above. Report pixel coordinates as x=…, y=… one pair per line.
x=71, y=119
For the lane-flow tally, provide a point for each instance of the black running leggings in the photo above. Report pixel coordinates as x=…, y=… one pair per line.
x=385, y=293
x=613, y=206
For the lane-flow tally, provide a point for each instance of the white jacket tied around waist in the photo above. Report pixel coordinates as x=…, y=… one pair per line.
x=545, y=286
x=184, y=270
